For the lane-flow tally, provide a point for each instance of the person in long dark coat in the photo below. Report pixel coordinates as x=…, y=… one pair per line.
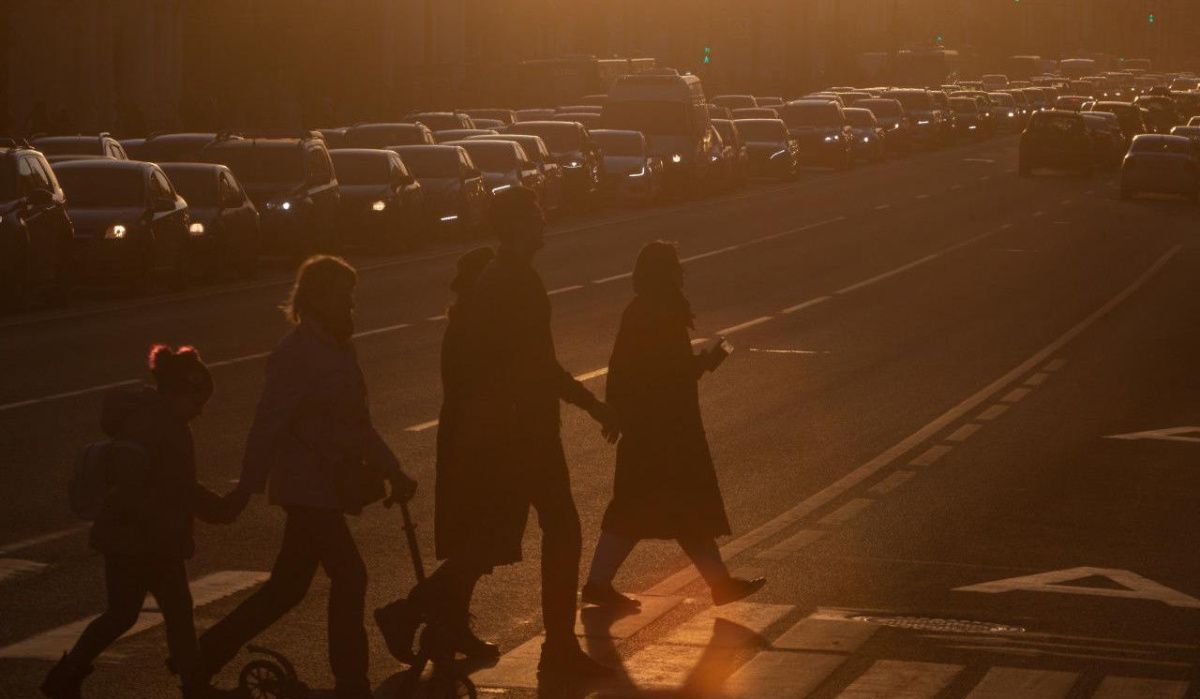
x=666, y=484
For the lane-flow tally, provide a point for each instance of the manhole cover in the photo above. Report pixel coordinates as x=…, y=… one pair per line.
x=918, y=623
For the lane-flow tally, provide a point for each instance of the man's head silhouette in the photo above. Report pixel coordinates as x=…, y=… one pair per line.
x=517, y=220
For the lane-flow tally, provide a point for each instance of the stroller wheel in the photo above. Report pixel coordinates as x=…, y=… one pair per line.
x=263, y=679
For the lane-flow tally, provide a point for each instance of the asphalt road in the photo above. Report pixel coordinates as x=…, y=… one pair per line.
x=914, y=437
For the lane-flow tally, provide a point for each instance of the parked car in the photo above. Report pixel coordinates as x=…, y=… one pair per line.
x=57, y=148
x=1055, y=139
x=292, y=184
x=1161, y=164
x=552, y=173
x=454, y=188
x=388, y=134
x=129, y=221
x=631, y=173
x=732, y=139
x=223, y=233
x=459, y=134
x=579, y=156
x=773, y=151
x=441, y=121
x=382, y=206
x=36, y=235
x=821, y=129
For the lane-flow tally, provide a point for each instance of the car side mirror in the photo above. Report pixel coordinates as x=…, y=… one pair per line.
x=41, y=197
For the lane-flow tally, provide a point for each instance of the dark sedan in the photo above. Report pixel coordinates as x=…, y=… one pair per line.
x=774, y=152
x=223, y=234
x=1058, y=140
x=382, y=205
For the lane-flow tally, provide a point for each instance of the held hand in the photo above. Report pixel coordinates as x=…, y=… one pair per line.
x=234, y=503
x=403, y=488
x=603, y=413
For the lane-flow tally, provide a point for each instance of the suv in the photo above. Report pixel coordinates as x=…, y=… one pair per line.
x=59, y=148
x=292, y=184
x=36, y=235
x=1056, y=139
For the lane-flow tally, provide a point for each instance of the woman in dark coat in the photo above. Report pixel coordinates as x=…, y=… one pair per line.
x=666, y=485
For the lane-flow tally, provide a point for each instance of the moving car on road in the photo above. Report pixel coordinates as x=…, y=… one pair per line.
x=732, y=138
x=927, y=120
x=891, y=116
x=504, y=165
x=774, y=152
x=1128, y=114
x=1161, y=164
x=382, y=206
x=578, y=155
x=754, y=113
x=631, y=173
x=448, y=135
x=441, y=121
x=129, y=221
x=454, y=189
x=507, y=116
x=223, y=233
x=966, y=117
x=1108, y=145
x=385, y=135
x=1192, y=132
x=176, y=147
x=821, y=129
x=58, y=148
x=1007, y=115
x=869, y=141
x=732, y=102
x=537, y=152
x=36, y=235
x=1057, y=140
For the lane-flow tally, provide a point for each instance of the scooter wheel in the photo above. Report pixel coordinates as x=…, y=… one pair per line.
x=263, y=679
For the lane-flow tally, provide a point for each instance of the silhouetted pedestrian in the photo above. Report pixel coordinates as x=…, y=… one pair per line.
x=507, y=434
x=314, y=441
x=144, y=522
x=666, y=485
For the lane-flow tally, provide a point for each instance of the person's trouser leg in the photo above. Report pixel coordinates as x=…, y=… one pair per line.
x=611, y=553
x=562, y=547
x=347, y=573
x=705, y=555
x=291, y=575
x=125, y=579
x=169, y=585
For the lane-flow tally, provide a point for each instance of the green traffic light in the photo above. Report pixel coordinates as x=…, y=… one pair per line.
x=1151, y=18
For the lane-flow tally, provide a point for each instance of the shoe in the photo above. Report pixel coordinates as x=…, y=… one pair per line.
x=607, y=596
x=65, y=680
x=473, y=647
x=568, y=661
x=398, y=622
x=735, y=589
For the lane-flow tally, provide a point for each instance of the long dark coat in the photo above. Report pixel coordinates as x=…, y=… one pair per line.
x=666, y=485
x=499, y=425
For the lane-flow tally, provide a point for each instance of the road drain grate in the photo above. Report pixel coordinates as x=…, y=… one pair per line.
x=917, y=623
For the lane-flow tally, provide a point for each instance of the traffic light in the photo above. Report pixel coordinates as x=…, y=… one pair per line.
x=707, y=55
x=1151, y=18
x=939, y=39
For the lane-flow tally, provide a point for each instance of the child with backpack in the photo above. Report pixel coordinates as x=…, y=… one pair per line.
x=139, y=489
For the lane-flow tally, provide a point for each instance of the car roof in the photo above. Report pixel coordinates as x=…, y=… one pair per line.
x=423, y=147
x=552, y=123
x=196, y=167
x=256, y=143
x=496, y=144
x=619, y=132
x=1160, y=138
x=805, y=102
x=68, y=139
x=366, y=152
x=103, y=164
x=389, y=125
x=858, y=109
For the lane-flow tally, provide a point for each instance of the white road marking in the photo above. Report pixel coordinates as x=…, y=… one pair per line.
x=686, y=576
x=886, y=275
x=793, y=231
x=785, y=351
x=963, y=433
x=435, y=319
x=1055, y=365
x=993, y=412
x=887, y=485
x=379, y=331
x=825, y=632
x=211, y=588
x=710, y=253
x=663, y=666
x=9, y=549
x=846, y=512
x=807, y=304
x=1015, y=395
x=753, y=617
x=792, y=545
x=744, y=326
x=613, y=278
x=1170, y=434
x=594, y=622
x=923, y=196
x=1008, y=682
x=14, y=567
x=1038, y=214
x=931, y=455
x=564, y=290
x=883, y=207
x=1136, y=586
x=1140, y=688
x=422, y=426
x=1037, y=379
x=897, y=679
x=987, y=161
x=781, y=675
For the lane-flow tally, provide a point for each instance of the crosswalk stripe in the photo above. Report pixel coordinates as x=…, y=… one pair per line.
x=782, y=675
x=791, y=546
x=816, y=633
x=13, y=567
x=50, y=645
x=1140, y=688
x=887, y=485
x=846, y=512
x=1007, y=682
x=740, y=617
x=896, y=679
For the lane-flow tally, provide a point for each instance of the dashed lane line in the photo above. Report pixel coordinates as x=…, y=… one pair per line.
x=565, y=289
x=931, y=456
x=15, y=567
x=744, y=326
x=16, y=546
x=964, y=433
x=807, y=304
x=993, y=412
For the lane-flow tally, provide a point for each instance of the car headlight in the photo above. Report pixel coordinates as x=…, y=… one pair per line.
x=115, y=232
x=280, y=205
x=574, y=165
x=501, y=188
x=676, y=158
x=379, y=205
x=639, y=173
x=972, y=127
x=196, y=229
x=1012, y=114
x=866, y=139
x=831, y=139
x=922, y=122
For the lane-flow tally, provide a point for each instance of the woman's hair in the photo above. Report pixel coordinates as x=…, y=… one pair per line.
x=179, y=370
x=318, y=276
x=656, y=269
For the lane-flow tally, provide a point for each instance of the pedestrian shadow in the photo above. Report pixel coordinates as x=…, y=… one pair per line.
x=722, y=655
x=404, y=684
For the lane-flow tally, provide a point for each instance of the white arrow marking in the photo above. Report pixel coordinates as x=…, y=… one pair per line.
x=1137, y=587
x=1170, y=434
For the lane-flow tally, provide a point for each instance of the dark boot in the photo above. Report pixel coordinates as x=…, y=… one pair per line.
x=734, y=589
x=65, y=680
x=568, y=661
x=606, y=596
x=466, y=642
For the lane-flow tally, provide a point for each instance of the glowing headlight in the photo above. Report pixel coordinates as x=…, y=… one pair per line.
x=972, y=127
x=714, y=158
x=866, y=139
x=831, y=139
x=115, y=232
x=922, y=122
x=379, y=205
x=1012, y=114
x=286, y=206
x=449, y=219
x=196, y=228
x=574, y=164
x=501, y=188
x=676, y=158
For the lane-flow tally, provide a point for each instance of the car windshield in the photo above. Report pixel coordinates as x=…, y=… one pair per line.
x=384, y=136
x=859, y=117
x=919, y=101
x=1056, y=125
x=800, y=115
x=100, y=188
x=254, y=165
x=963, y=104
x=490, y=158
x=439, y=122
x=882, y=108
x=431, y=162
x=70, y=146
x=197, y=185
x=763, y=131
x=559, y=138
x=620, y=144
x=360, y=168
x=1003, y=100
x=1162, y=145
x=651, y=118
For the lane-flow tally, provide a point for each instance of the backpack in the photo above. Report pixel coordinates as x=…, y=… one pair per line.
x=97, y=468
